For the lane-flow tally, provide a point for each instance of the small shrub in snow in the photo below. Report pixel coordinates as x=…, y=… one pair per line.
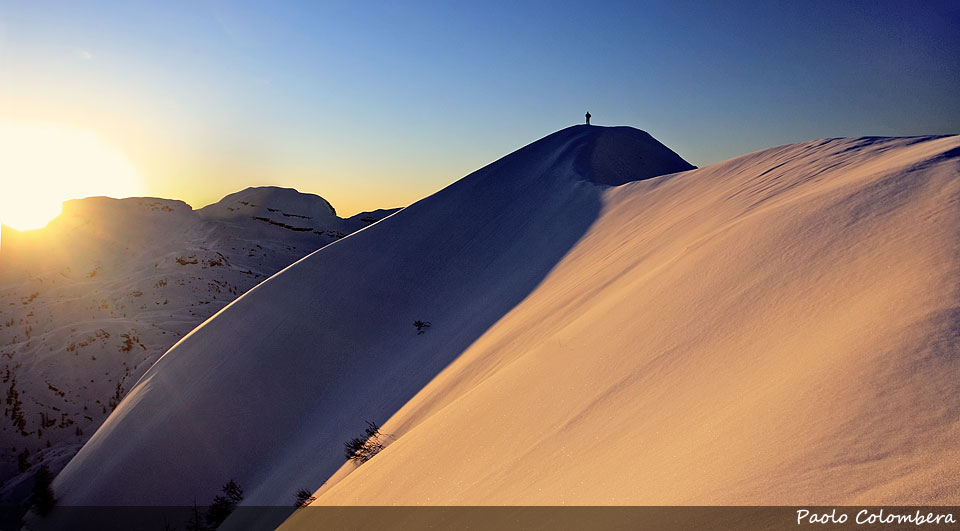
x=222, y=506
x=42, y=498
x=23, y=460
x=361, y=449
x=118, y=393
x=304, y=498
x=196, y=520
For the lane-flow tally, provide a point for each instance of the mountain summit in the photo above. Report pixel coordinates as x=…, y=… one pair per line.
x=618, y=155
x=603, y=155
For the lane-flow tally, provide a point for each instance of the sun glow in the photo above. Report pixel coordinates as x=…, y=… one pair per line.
x=43, y=165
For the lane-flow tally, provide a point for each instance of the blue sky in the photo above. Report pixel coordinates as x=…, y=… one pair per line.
x=379, y=104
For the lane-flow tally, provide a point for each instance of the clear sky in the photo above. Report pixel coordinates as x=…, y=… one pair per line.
x=377, y=104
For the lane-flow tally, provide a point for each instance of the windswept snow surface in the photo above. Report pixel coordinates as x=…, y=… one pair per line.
x=780, y=328
x=91, y=301
x=268, y=390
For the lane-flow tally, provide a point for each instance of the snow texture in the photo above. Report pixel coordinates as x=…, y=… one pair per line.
x=269, y=389
x=608, y=326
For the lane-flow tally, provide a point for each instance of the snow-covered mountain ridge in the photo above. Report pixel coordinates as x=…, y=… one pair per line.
x=779, y=328
x=335, y=330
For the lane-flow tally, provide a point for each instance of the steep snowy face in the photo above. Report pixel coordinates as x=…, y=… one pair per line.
x=618, y=155
x=777, y=329
x=267, y=391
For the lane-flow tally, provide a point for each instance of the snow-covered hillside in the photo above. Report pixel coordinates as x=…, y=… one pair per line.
x=268, y=390
x=90, y=302
x=780, y=328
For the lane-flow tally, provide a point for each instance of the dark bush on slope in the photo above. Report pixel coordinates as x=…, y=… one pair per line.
x=304, y=497
x=223, y=505
x=42, y=498
x=361, y=449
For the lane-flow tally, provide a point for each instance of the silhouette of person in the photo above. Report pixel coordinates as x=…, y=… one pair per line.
x=588, y=117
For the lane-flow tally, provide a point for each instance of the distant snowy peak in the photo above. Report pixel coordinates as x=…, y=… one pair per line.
x=109, y=211
x=102, y=206
x=94, y=226
x=94, y=232
x=271, y=202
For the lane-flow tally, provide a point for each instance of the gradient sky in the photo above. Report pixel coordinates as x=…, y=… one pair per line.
x=378, y=105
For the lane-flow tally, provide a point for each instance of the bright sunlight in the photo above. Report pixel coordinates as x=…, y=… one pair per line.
x=43, y=165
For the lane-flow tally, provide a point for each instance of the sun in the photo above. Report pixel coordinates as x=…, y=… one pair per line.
x=43, y=165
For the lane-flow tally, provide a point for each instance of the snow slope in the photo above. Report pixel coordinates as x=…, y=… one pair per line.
x=780, y=328
x=268, y=390
x=90, y=302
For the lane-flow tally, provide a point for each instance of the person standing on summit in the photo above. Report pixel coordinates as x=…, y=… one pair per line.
x=588, y=117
